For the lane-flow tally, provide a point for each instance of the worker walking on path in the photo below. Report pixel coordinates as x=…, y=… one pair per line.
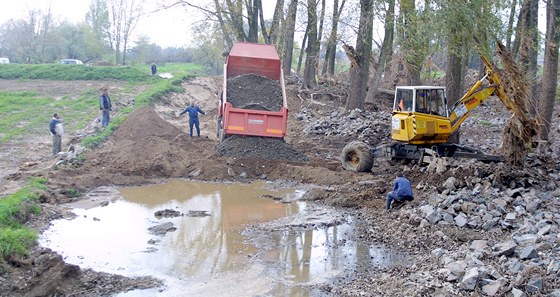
x=402, y=191
x=193, y=111
x=57, y=131
x=105, y=107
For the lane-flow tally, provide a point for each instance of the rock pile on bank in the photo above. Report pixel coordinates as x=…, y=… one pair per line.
x=475, y=228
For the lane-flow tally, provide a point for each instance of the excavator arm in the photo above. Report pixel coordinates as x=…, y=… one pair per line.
x=479, y=93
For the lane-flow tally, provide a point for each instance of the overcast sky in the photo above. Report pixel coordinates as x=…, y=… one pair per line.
x=167, y=28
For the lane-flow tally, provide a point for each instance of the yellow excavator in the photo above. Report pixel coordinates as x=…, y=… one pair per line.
x=422, y=124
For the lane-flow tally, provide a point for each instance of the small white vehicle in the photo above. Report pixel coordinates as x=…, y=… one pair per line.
x=71, y=61
x=4, y=60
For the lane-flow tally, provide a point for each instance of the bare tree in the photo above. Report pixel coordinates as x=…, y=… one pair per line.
x=330, y=51
x=288, y=38
x=509, y=31
x=550, y=71
x=312, y=51
x=132, y=17
x=123, y=15
x=385, y=52
x=359, y=70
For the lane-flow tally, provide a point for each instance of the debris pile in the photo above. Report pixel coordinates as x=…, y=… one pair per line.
x=369, y=126
x=264, y=148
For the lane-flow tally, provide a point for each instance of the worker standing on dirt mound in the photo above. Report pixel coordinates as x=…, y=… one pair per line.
x=56, y=130
x=402, y=191
x=105, y=107
x=193, y=111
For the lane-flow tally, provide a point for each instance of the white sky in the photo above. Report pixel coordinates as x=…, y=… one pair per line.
x=166, y=28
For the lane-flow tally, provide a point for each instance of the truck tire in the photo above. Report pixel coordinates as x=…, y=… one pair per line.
x=357, y=156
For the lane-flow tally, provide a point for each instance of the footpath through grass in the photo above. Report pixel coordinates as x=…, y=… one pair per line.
x=15, y=239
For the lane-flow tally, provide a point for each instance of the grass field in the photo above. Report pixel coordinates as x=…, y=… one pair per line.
x=28, y=113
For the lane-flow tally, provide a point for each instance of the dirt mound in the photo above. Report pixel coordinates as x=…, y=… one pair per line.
x=265, y=148
x=146, y=145
x=251, y=91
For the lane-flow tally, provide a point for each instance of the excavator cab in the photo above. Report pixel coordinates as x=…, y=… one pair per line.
x=421, y=99
x=420, y=115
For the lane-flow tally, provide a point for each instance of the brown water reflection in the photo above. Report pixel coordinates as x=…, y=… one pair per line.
x=207, y=256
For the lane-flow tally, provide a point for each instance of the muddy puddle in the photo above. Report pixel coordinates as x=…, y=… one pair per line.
x=213, y=239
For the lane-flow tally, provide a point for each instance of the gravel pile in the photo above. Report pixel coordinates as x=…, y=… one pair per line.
x=265, y=148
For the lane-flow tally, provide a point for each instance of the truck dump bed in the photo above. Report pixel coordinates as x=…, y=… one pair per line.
x=254, y=116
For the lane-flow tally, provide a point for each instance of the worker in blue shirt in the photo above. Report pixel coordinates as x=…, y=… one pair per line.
x=402, y=191
x=193, y=111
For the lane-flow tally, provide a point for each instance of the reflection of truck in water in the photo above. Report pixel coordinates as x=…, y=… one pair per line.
x=253, y=98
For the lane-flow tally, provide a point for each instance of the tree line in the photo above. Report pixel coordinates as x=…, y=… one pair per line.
x=103, y=37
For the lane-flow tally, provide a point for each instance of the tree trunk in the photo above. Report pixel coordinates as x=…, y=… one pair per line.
x=253, y=20
x=234, y=17
x=528, y=41
x=385, y=52
x=264, y=33
x=454, y=77
x=509, y=31
x=225, y=32
x=410, y=43
x=330, y=51
x=550, y=71
x=301, y=51
x=321, y=22
x=359, y=70
x=289, y=31
x=278, y=15
x=312, y=51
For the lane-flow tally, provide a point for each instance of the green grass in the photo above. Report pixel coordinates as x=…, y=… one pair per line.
x=72, y=72
x=27, y=113
x=15, y=239
x=24, y=113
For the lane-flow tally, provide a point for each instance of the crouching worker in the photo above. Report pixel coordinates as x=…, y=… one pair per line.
x=402, y=191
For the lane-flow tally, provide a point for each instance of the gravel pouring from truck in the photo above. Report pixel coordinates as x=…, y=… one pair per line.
x=253, y=98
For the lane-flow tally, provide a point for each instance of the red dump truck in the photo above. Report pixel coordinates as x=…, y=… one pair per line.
x=253, y=98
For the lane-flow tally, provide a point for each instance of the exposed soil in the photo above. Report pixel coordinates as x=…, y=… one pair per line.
x=151, y=144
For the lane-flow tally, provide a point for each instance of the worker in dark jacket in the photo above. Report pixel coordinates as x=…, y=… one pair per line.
x=55, y=126
x=193, y=111
x=105, y=107
x=402, y=191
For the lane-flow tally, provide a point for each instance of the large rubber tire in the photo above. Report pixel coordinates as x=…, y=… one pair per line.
x=357, y=156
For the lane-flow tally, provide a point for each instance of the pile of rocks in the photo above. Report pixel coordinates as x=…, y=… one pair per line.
x=370, y=127
x=517, y=243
